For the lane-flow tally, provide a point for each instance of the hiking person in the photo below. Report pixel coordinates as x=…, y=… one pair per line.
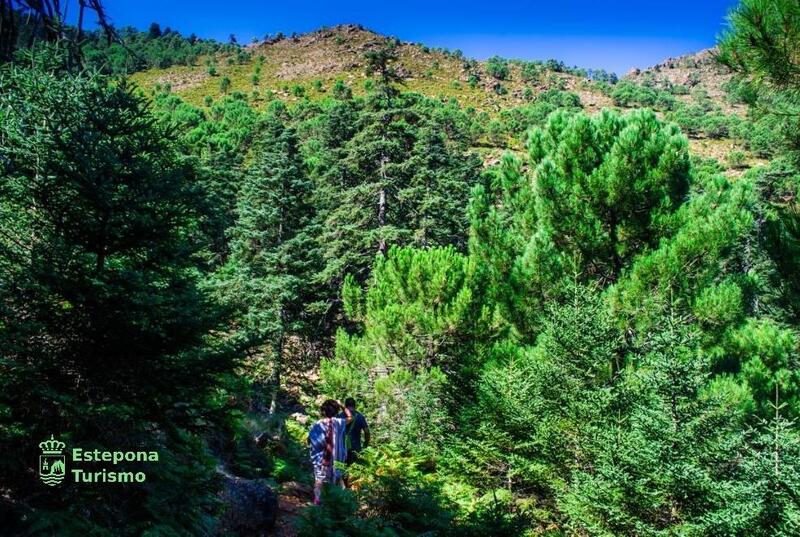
x=327, y=442
x=353, y=431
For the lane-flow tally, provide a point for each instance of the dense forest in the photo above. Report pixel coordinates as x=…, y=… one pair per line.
x=559, y=319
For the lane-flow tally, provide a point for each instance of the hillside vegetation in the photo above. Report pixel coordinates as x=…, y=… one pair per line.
x=688, y=89
x=317, y=60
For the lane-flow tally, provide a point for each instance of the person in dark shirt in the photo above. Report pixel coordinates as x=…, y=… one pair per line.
x=354, y=430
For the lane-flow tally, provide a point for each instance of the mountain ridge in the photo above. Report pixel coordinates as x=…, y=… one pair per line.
x=309, y=65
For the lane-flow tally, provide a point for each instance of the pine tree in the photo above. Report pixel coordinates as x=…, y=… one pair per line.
x=419, y=315
x=380, y=61
x=273, y=251
x=761, y=44
x=662, y=461
x=388, y=176
x=601, y=191
x=105, y=331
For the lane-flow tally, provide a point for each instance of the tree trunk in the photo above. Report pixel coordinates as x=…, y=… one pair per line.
x=382, y=218
x=277, y=365
x=382, y=205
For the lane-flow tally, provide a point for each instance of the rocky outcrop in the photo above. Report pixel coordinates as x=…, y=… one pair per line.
x=250, y=507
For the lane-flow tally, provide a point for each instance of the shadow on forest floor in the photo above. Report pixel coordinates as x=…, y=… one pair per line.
x=280, y=444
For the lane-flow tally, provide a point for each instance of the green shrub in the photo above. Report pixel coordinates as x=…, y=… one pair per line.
x=499, y=89
x=497, y=68
x=527, y=94
x=531, y=71
x=341, y=90
x=628, y=94
x=736, y=159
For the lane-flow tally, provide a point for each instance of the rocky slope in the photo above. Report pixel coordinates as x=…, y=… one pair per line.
x=307, y=66
x=316, y=60
x=692, y=72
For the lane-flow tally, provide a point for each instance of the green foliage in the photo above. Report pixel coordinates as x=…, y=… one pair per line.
x=627, y=336
x=380, y=63
x=106, y=331
x=761, y=44
x=499, y=89
x=531, y=71
x=766, y=353
x=224, y=84
x=696, y=121
x=736, y=159
x=769, y=504
x=338, y=515
x=560, y=385
x=398, y=175
x=628, y=94
x=218, y=138
x=763, y=40
x=394, y=488
x=273, y=254
x=341, y=91
x=596, y=337
x=517, y=121
x=661, y=462
x=417, y=314
x=604, y=191
x=527, y=94
x=393, y=496
x=137, y=51
x=497, y=67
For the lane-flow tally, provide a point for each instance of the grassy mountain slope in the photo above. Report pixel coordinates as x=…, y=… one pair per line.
x=308, y=65
x=332, y=54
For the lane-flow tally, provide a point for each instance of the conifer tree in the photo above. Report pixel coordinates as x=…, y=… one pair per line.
x=419, y=314
x=389, y=176
x=601, y=192
x=381, y=61
x=770, y=476
x=105, y=331
x=273, y=251
x=663, y=457
x=761, y=44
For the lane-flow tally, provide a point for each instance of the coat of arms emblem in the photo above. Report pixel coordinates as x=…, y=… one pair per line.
x=52, y=462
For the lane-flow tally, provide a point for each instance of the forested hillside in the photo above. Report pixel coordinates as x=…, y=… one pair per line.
x=567, y=304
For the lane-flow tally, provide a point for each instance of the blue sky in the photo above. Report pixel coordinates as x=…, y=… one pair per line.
x=595, y=34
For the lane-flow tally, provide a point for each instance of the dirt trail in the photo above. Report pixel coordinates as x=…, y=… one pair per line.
x=292, y=498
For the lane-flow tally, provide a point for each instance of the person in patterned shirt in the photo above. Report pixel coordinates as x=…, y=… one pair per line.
x=327, y=445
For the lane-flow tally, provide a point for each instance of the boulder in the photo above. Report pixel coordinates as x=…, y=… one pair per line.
x=250, y=507
x=300, y=418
